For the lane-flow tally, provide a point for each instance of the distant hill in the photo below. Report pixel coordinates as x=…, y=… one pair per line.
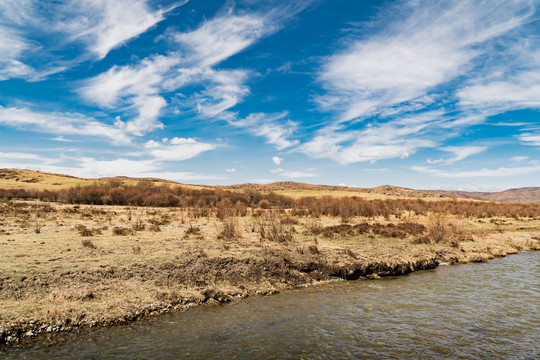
x=289, y=187
x=517, y=195
x=32, y=179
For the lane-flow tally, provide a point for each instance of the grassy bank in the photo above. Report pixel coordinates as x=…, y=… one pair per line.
x=66, y=266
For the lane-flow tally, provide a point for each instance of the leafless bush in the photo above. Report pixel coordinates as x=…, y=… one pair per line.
x=192, y=229
x=229, y=229
x=314, y=226
x=289, y=220
x=122, y=231
x=84, y=231
x=138, y=225
x=88, y=243
x=270, y=228
x=438, y=228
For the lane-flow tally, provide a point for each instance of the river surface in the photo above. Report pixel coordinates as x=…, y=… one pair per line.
x=473, y=311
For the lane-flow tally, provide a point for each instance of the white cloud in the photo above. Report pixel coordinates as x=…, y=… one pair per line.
x=19, y=156
x=223, y=37
x=519, y=158
x=230, y=170
x=501, y=171
x=92, y=168
x=530, y=138
x=435, y=43
x=106, y=24
x=460, y=153
x=140, y=86
x=273, y=127
x=101, y=25
x=291, y=174
x=225, y=91
x=151, y=144
x=398, y=139
x=178, y=149
x=412, y=65
x=517, y=92
x=12, y=45
x=61, y=124
x=277, y=160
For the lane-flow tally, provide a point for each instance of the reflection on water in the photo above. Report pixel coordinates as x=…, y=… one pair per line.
x=472, y=311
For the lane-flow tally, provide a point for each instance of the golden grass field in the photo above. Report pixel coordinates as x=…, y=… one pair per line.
x=64, y=266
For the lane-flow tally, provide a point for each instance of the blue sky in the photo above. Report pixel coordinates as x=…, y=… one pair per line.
x=420, y=94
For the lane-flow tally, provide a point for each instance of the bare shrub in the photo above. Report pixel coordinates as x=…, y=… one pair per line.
x=438, y=228
x=314, y=226
x=154, y=228
x=289, y=220
x=270, y=228
x=264, y=204
x=84, y=231
x=229, y=229
x=37, y=227
x=192, y=229
x=314, y=249
x=138, y=225
x=122, y=231
x=441, y=231
x=88, y=243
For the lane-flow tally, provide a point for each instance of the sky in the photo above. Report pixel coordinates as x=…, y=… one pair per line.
x=419, y=94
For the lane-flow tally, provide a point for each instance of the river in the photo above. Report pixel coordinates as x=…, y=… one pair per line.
x=473, y=311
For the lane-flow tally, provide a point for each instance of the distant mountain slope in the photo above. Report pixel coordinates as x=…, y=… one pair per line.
x=290, y=186
x=32, y=179
x=517, y=195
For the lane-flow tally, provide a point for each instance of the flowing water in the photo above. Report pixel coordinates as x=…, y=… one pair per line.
x=473, y=311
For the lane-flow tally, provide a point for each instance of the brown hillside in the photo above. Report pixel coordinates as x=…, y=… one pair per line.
x=518, y=195
x=290, y=187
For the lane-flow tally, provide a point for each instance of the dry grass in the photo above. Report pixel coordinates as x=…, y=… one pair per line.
x=79, y=268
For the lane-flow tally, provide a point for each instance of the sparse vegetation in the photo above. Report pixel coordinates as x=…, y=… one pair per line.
x=172, y=246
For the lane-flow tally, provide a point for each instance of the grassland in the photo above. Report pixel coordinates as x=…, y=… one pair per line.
x=75, y=262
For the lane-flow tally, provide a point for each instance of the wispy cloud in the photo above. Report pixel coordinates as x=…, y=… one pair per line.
x=292, y=174
x=417, y=63
x=277, y=160
x=106, y=24
x=501, y=171
x=396, y=139
x=192, y=61
x=101, y=25
x=435, y=43
x=460, y=153
x=141, y=86
x=274, y=127
x=177, y=149
x=61, y=124
x=530, y=138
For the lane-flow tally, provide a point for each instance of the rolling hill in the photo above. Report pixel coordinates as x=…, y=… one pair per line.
x=39, y=180
x=517, y=195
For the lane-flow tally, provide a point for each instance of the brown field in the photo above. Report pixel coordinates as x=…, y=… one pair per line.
x=77, y=262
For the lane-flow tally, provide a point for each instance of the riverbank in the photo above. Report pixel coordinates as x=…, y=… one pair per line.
x=65, y=267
